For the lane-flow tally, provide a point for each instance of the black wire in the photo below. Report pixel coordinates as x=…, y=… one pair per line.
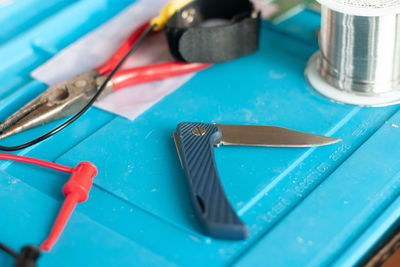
x=8, y=250
x=88, y=105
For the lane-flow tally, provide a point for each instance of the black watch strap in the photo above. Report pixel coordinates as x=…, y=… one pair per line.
x=191, y=41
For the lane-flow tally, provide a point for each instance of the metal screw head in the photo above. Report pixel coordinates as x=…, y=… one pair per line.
x=199, y=131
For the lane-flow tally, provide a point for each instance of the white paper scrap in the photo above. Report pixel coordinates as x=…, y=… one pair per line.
x=96, y=47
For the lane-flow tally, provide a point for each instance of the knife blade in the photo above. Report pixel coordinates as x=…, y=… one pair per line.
x=270, y=136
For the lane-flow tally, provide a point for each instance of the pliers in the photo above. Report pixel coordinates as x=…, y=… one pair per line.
x=68, y=97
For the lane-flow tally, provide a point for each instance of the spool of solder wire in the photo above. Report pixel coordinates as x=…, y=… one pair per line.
x=359, y=58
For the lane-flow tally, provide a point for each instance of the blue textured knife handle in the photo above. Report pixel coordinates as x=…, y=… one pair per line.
x=212, y=208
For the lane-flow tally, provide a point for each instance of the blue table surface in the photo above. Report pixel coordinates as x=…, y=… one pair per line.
x=304, y=207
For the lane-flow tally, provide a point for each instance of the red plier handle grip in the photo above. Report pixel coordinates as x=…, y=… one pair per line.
x=149, y=73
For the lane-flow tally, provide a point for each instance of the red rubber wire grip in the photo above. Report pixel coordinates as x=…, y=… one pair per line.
x=76, y=190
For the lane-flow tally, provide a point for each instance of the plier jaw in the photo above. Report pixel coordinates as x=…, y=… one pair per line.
x=58, y=101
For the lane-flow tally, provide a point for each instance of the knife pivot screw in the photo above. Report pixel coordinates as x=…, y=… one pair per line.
x=199, y=131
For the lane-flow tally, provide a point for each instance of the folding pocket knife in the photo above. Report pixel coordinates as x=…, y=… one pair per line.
x=195, y=142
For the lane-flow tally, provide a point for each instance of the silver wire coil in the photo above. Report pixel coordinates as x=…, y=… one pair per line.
x=359, y=55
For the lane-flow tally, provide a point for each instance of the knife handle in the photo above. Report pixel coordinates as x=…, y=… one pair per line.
x=195, y=142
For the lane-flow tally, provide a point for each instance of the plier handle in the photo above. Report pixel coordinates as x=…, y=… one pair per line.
x=68, y=97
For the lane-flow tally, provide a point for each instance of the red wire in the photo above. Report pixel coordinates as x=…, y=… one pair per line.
x=123, y=49
x=38, y=162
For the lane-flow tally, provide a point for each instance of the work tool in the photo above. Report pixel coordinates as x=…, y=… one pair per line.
x=76, y=190
x=195, y=142
x=189, y=40
x=131, y=44
x=68, y=97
